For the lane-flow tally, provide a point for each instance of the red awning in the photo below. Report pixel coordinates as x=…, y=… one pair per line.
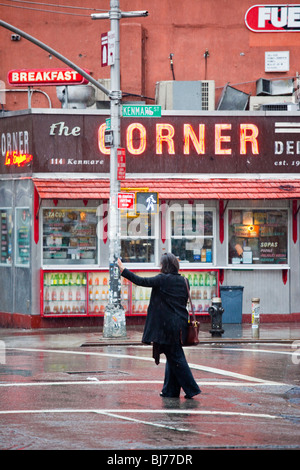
x=212, y=188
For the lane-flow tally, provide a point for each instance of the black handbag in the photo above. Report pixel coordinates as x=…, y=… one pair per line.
x=193, y=325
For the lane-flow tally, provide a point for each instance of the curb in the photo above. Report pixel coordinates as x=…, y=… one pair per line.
x=201, y=341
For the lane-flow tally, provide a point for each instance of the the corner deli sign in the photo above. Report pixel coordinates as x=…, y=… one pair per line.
x=31, y=77
x=273, y=18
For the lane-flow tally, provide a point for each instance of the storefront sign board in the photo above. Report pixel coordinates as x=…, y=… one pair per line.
x=216, y=144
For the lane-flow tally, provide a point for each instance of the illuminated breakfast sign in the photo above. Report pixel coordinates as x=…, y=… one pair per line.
x=186, y=144
x=31, y=77
x=273, y=18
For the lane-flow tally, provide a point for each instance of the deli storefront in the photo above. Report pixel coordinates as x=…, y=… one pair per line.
x=225, y=190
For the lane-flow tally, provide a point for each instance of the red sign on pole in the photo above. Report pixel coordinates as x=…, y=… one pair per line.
x=31, y=77
x=121, y=171
x=126, y=201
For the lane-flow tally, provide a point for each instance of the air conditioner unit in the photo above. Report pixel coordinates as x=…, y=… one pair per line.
x=274, y=87
x=186, y=95
x=256, y=103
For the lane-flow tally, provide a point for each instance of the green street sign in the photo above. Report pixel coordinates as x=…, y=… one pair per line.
x=141, y=110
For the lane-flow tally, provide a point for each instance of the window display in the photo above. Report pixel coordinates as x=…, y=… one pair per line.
x=64, y=293
x=69, y=236
x=86, y=293
x=192, y=233
x=138, y=238
x=203, y=288
x=78, y=293
x=6, y=227
x=23, y=231
x=258, y=236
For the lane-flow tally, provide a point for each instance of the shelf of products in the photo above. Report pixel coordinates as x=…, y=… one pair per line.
x=69, y=236
x=86, y=293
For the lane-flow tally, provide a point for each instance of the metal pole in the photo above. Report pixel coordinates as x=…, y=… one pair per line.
x=114, y=317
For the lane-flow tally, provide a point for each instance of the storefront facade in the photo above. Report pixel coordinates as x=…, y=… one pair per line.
x=225, y=190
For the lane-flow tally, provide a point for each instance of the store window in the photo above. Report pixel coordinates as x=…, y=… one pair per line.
x=258, y=236
x=138, y=238
x=69, y=236
x=192, y=233
x=6, y=226
x=23, y=234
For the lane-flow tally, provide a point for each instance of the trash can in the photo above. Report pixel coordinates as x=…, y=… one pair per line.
x=232, y=302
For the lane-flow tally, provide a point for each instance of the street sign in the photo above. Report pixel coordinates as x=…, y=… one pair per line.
x=108, y=43
x=146, y=202
x=104, y=49
x=108, y=138
x=141, y=110
x=126, y=201
x=121, y=168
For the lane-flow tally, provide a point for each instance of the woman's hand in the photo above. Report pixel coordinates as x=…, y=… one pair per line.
x=120, y=264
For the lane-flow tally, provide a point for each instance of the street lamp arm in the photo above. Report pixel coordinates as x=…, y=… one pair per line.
x=123, y=14
x=57, y=55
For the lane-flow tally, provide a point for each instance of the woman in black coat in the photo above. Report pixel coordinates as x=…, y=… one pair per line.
x=166, y=324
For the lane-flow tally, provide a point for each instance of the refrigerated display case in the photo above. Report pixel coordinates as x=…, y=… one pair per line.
x=86, y=293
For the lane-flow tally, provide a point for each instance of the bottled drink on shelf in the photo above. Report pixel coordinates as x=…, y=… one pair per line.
x=54, y=295
x=97, y=295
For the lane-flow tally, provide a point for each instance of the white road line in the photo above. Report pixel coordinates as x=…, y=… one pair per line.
x=142, y=411
x=149, y=423
x=212, y=370
x=95, y=381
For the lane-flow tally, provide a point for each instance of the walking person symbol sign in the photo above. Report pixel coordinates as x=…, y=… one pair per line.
x=147, y=202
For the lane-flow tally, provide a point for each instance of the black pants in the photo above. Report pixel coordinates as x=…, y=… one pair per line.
x=177, y=373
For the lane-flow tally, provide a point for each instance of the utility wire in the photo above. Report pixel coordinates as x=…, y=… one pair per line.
x=59, y=6
x=45, y=11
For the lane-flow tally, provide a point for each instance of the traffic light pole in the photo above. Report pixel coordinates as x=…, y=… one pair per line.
x=114, y=317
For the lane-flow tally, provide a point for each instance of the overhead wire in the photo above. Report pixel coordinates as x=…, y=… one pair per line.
x=22, y=7
x=59, y=6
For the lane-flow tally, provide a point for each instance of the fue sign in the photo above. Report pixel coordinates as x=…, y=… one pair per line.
x=273, y=18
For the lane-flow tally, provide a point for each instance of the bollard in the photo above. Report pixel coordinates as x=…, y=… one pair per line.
x=216, y=311
x=255, y=308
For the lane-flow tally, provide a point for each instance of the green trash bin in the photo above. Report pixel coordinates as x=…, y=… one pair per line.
x=232, y=302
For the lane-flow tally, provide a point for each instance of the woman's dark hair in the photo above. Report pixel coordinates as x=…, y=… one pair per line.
x=169, y=263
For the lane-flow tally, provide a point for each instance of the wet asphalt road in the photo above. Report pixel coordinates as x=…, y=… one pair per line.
x=58, y=394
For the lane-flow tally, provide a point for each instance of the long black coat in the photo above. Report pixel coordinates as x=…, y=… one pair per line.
x=167, y=315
